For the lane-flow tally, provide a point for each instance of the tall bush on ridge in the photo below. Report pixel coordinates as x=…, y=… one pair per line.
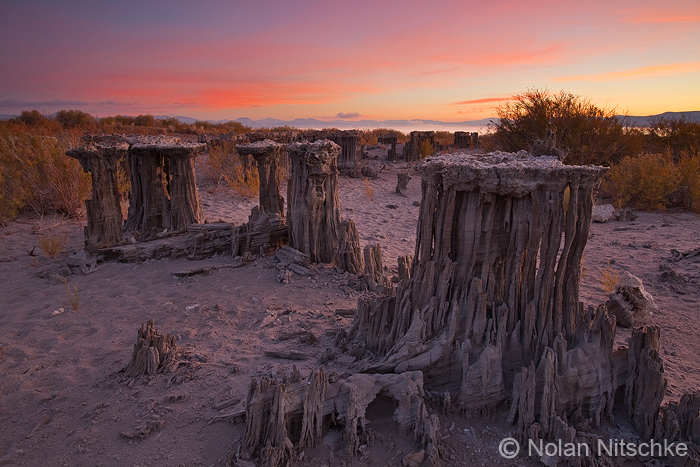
x=678, y=135
x=593, y=135
x=76, y=119
x=145, y=120
x=32, y=118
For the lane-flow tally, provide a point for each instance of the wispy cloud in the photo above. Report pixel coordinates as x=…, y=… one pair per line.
x=656, y=70
x=348, y=115
x=486, y=100
x=51, y=103
x=114, y=104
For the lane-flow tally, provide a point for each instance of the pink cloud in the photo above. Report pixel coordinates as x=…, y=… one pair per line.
x=636, y=73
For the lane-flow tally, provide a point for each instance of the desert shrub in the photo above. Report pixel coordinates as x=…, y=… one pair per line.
x=371, y=137
x=645, y=182
x=444, y=138
x=225, y=165
x=609, y=278
x=678, y=135
x=52, y=244
x=221, y=162
x=123, y=179
x=593, y=135
x=76, y=119
x=37, y=174
x=689, y=174
x=32, y=118
x=425, y=148
x=245, y=180
x=145, y=120
x=369, y=191
x=73, y=296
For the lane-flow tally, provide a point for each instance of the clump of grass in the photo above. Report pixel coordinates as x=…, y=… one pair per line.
x=609, y=279
x=73, y=296
x=52, y=244
x=369, y=191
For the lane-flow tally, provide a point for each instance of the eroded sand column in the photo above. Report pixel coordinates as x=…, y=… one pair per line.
x=104, y=214
x=313, y=208
x=349, y=157
x=269, y=156
x=493, y=291
x=163, y=186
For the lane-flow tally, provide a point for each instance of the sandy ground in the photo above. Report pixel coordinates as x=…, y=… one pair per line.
x=64, y=402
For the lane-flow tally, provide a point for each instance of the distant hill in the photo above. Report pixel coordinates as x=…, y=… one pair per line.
x=416, y=124
x=401, y=125
x=693, y=116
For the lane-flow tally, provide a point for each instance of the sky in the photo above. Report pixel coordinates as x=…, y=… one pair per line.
x=448, y=60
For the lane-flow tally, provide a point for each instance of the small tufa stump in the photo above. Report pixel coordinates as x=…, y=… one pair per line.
x=269, y=156
x=153, y=352
x=463, y=139
x=278, y=412
x=646, y=381
x=374, y=269
x=313, y=209
x=402, y=183
x=405, y=266
x=104, y=214
x=411, y=151
x=349, y=256
x=548, y=147
x=350, y=152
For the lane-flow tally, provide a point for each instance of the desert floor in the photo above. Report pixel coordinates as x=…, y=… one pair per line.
x=64, y=402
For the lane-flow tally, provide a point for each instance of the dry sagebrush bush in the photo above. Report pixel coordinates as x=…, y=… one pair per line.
x=444, y=138
x=645, y=182
x=35, y=172
x=689, y=173
x=225, y=165
x=221, y=162
x=425, y=148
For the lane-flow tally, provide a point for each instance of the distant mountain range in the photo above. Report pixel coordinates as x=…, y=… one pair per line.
x=401, y=125
x=312, y=123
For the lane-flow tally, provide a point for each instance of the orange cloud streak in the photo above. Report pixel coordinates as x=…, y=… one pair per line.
x=482, y=101
x=657, y=70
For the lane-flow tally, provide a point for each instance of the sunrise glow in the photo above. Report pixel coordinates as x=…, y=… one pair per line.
x=447, y=60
